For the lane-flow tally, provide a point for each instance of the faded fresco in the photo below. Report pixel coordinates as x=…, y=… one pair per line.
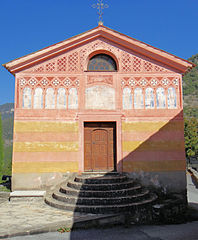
x=61, y=99
x=50, y=99
x=38, y=98
x=149, y=98
x=73, y=99
x=161, y=98
x=138, y=98
x=172, y=98
x=100, y=97
x=127, y=99
x=27, y=97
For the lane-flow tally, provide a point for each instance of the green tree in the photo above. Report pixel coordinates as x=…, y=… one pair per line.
x=7, y=168
x=1, y=146
x=191, y=137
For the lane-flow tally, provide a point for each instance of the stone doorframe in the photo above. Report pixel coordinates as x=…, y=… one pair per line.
x=100, y=117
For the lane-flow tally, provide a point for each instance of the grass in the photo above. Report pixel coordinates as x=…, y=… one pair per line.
x=4, y=189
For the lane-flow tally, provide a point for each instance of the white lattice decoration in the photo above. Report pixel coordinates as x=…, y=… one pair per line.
x=137, y=64
x=154, y=82
x=83, y=55
x=165, y=82
x=55, y=82
x=73, y=62
x=50, y=67
x=44, y=82
x=22, y=82
x=126, y=62
x=148, y=67
x=77, y=83
x=61, y=64
x=32, y=82
x=160, y=69
x=143, y=82
x=122, y=83
x=67, y=83
x=176, y=82
x=149, y=82
x=96, y=45
x=132, y=82
x=39, y=68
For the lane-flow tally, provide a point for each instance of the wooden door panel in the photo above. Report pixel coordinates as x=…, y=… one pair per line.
x=99, y=146
x=111, y=149
x=87, y=150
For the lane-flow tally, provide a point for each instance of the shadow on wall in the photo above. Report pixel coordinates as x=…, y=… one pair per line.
x=154, y=155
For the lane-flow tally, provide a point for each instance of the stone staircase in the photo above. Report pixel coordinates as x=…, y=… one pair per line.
x=99, y=193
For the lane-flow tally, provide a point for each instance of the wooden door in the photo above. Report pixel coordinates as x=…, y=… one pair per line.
x=99, y=146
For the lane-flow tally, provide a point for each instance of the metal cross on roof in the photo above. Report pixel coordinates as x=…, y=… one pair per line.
x=100, y=6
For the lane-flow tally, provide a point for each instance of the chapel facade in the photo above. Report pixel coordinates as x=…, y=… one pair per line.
x=99, y=101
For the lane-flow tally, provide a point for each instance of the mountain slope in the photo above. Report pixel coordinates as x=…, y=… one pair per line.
x=7, y=110
x=190, y=90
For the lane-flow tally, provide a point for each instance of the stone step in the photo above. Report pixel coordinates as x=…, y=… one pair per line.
x=101, y=173
x=101, y=187
x=100, y=194
x=98, y=209
x=25, y=195
x=143, y=195
x=91, y=179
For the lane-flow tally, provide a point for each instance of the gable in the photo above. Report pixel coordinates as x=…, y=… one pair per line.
x=76, y=60
x=139, y=49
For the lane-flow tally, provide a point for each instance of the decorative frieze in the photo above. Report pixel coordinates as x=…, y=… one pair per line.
x=150, y=82
x=75, y=61
x=46, y=82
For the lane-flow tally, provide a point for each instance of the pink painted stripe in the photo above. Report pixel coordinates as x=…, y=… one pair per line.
x=151, y=156
x=45, y=156
x=46, y=137
x=158, y=136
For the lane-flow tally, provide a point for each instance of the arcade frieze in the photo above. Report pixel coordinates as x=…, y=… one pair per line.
x=154, y=82
x=46, y=82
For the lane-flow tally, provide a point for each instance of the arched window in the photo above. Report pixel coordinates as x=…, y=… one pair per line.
x=61, y=99
x=149, y=98
x=161, y=98
x=138, y=98
x=38, y=98
x=102, y=63
x=50, y=99
x=127, y=98
x=73, y=99
x=27, y=97
x=172, y=98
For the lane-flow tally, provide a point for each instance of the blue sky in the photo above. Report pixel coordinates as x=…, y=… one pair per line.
x=30, y=25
